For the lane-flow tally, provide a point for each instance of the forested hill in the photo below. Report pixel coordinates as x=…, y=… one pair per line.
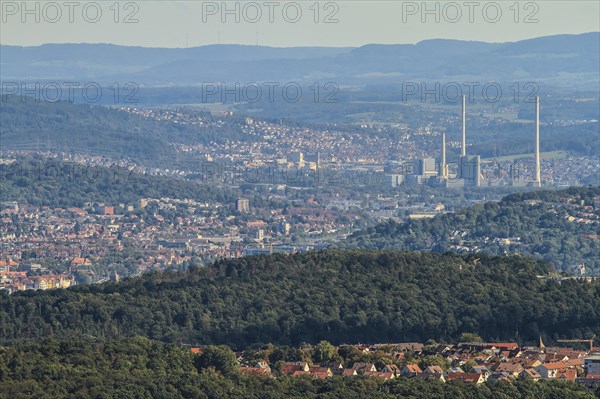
x=48, y=182
x=340, y=296
x=30, y=124
x=559, y=227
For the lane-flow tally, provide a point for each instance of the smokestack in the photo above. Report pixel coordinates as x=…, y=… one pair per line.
x=444, y=171
x=463, y=150
x=538, y=179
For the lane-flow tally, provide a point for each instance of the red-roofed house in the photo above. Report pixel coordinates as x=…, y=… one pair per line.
x=362, y=367
x=410, y=370
x=382, y=375
x=530, y=373
x=392, y=368
x=290, y=368
x=434, y=370
x=511, y=368
x=78, y=262
x=315, y=370
x=320, y=374
x=574, y=363
x=567, y=375
x=550, y=370
x=349, y=373
x=472, y=378
x=504, y=346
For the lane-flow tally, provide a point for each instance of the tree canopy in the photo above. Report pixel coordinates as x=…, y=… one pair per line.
x=339, y=296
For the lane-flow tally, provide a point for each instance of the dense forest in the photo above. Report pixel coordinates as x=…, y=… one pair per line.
x=537, y=224
x=339, y=296
x=44, y=182
x=142, y=368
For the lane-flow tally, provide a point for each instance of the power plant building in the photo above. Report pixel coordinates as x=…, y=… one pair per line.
x=466, y=171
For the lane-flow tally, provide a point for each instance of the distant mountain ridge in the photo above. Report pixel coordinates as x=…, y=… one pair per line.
x=541, y=59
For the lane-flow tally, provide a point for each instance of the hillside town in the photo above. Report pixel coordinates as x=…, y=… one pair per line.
x=376, y=149
x=44, y=248
x=102, y=241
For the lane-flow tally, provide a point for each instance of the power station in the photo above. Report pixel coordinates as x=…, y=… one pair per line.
x=467, y=171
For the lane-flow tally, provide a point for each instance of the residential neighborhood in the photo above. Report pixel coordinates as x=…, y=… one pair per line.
x=467, y=362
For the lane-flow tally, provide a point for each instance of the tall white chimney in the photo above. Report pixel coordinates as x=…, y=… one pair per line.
x=444, y=167
x=538, y=179
x=463, y=149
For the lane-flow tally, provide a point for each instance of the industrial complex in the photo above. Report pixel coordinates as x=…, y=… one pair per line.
x=467, y=171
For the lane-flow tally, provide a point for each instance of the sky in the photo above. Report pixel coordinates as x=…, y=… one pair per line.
x=345, y=23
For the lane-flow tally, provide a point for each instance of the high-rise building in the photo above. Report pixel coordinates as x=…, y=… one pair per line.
x=259, y=234
x=105, y=210
x=242, y=205
x=283, y=227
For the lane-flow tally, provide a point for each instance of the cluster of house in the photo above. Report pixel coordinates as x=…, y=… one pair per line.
x=297, y=369
x=61, y=239
x=277, y=141
x=468, y=362
x=582, y=212
x=20, y=281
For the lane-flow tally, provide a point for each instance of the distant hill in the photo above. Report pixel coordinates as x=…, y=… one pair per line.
x=533, y=224
x=545, y=59
x=54, y=183
x=96, y=130
x=93, y=61
x=340, y=296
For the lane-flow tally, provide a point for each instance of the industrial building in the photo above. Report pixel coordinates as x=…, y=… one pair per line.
x=467, y=169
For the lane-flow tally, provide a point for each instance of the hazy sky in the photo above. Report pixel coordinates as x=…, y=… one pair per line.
x=289, y=23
